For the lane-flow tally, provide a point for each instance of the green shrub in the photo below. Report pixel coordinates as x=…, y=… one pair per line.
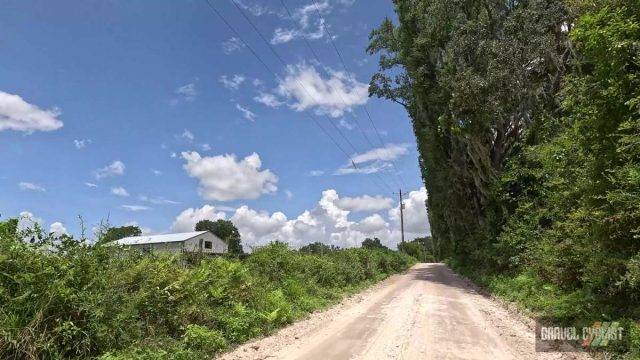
x=75, y=301
x=201, y=338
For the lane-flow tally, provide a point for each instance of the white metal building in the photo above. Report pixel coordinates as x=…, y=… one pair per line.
x=193, y=242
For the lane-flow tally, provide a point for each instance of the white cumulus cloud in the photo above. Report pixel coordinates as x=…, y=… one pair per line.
x=365, y=203
x=116, y=168
x=57, y=229
x=371, y=224
x=186, y=221
x=386, y=153
x=18, y=115
x=255, y=224
x=415, y=212
x=374, y=160
x=225, y=178
x=328, y=222
x=307, y=89
x=27, y=220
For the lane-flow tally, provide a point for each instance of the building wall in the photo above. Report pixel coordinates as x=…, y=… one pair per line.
x=191, y=245
x=218, y=246
x=172, y=247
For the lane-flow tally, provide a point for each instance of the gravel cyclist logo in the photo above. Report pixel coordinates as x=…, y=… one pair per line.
x=573, y=338
x=601, y=333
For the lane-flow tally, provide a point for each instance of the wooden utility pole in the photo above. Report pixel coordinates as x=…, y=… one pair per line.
x=401, y=216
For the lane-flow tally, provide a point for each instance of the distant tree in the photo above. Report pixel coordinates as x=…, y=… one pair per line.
x=318, y=248
x=374, y=243
x=8, y=228
x=419, y=248
x=117, y=233
x=225, y=230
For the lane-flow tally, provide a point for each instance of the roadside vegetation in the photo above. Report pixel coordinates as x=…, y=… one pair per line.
x=527, y=119
x=63, y=298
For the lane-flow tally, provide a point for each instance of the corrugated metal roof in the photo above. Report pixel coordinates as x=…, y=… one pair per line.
x=155, y=239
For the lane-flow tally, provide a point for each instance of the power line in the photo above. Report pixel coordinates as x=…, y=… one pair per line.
x=284, y=63
x=315, y=55
x=344, y=65
x=301, y=85
x=268, y=68
x=233, y=30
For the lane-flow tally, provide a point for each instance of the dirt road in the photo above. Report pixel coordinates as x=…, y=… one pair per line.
x=427, y=313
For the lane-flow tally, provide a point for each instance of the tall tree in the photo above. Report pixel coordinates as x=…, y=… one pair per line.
x=374, y=243
x=474, y=76
x=318, y=248
x=119, y=232
x=225, y=230
x=8, y=228
x=419, y=248
x=577, y=193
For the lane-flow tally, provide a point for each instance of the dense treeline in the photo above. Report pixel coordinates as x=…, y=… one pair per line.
x=62, y=298
x=419, y=248
x=527, y=118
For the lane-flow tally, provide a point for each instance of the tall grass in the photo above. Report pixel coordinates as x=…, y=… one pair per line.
x=78, y=301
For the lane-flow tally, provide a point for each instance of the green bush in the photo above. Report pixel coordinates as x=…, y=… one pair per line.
x=69, y=300
x=201, y=338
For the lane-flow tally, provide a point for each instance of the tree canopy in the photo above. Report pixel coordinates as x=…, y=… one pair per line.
x=318, y=248
x=527, y=119
x=119, y=232
x=225, y=230
x=374, y=243
x=419, y=248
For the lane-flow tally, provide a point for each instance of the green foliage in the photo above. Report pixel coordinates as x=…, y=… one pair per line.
x=527, y=118
x=374, y=243
x=200, y=338
x=117, y=233
x=74, y=301
x=225, y=230
x=318, y=248
x=576, y=225
x=8, y=228
x=475, y=77
x=419, y=248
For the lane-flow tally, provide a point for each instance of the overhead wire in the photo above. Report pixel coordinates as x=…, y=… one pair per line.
x=302, y=86
x=315, y=56
x=344, y=65
x=269, y=69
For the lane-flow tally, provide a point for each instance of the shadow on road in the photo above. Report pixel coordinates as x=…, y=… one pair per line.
x=440, y=273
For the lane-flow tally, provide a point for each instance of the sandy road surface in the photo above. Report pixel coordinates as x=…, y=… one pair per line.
x=427, y=313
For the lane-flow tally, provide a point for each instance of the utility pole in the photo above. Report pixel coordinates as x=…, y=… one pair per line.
x=401, y=216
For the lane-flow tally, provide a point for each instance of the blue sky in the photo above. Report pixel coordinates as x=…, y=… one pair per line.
x=154, y=113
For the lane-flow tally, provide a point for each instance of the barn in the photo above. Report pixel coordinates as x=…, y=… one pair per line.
x=190, y=242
